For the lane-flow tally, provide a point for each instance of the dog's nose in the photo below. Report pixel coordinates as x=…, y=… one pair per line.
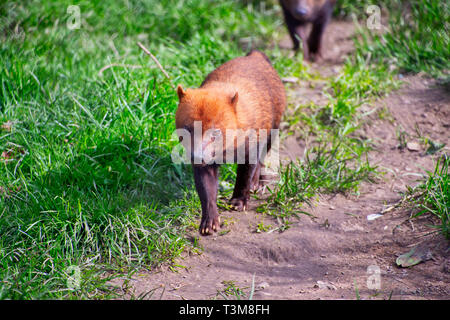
x=301, y=11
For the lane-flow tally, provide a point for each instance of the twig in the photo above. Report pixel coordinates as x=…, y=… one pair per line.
x=399, y=203
x=157, y=63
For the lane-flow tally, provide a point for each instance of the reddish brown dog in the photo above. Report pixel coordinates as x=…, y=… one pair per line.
x=298, y=14
x=244, y=93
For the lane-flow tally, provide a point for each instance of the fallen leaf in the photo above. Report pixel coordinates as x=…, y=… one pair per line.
x=416, y=255
x=434, y=147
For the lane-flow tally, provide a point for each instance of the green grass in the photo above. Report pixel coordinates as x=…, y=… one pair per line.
x=336, y=159
x=348, y=8
x=335, y=169
x=414, y=36
x=433, y=196
x=231, y=290
x=416, y=40
x=86, y=176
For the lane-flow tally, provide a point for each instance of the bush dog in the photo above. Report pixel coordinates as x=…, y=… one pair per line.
x=298, y=14
x=245, y=95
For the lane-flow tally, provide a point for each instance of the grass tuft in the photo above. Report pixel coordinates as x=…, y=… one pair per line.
x=433, y=196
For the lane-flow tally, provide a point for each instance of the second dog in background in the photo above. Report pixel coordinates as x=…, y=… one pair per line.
x=298, y=14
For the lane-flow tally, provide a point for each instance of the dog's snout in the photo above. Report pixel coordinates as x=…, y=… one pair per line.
x=301, y=11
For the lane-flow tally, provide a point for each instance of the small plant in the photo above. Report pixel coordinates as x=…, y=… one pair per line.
x=231, y=290
x=402, y=137
x=324, y=170
x=262, y=227
x=417, y=38
x=433, y=196
x=385, y=114
x=434, y=147
x=358, y=297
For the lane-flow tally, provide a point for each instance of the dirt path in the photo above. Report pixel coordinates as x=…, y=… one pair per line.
x=329, y=257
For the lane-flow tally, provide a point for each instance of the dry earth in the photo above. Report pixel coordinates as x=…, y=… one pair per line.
x=329, y=257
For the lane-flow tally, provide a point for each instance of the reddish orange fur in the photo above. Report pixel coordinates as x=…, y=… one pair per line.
x=260, y=97
x=244, y=93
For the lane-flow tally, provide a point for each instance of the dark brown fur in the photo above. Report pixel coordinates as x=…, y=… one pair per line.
x=298, y=14
x=244, y=93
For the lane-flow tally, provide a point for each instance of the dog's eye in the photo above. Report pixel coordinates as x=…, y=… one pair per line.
x=180, y=138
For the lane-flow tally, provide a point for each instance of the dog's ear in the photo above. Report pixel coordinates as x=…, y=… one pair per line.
x=181, y=92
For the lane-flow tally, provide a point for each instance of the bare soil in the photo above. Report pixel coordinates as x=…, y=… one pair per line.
x=334, y=255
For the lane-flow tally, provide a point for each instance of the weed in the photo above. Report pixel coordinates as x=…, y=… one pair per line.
x=433, y=196
x=86, y=177
x=417, y=38
x=231, y=290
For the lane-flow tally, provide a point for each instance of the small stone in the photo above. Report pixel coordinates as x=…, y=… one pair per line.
x=263, y=285
x=324, y=285
x=413, y=146
x=290, y=79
